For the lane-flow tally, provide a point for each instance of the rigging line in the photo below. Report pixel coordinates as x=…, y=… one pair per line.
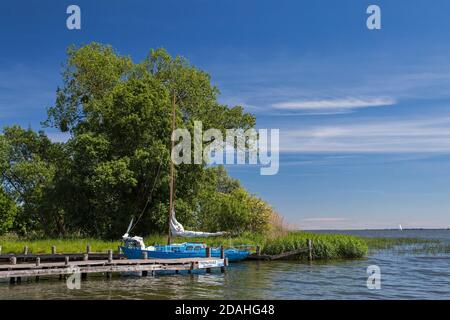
x=148, y=199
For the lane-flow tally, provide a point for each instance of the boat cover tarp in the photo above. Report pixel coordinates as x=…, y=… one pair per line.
x=177, y=230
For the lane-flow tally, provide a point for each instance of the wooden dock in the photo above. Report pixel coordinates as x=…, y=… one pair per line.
x=54, y=256
x=58, y=256
x=15, y=272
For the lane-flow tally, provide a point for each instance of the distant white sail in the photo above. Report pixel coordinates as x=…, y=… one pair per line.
x=400, y=227
x=177, y=230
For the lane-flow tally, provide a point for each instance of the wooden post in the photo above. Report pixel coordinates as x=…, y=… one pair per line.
x=0, y=249
x=53, y=249
x=38, y=263
x=66, y=261
x=222, y=256
x=258, y=250
x=88, y=249
x=144, y=255
x=110, y=256
x=84, y=274
x=208, y=255
x=13, y=260
x=119, y=250
x=25, y=250
x=310, y=255
x=226, y=262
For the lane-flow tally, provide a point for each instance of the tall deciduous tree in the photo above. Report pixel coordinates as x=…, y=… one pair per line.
x=116, y=163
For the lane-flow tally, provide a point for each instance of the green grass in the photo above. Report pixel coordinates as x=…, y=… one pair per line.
x=325, y=246
x=62, y=245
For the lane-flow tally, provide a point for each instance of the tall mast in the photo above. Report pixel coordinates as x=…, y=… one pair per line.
x=171, y=168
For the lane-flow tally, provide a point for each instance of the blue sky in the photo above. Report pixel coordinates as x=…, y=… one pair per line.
x=364, y=116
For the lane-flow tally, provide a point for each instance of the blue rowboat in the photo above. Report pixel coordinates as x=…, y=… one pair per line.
x=183, y=250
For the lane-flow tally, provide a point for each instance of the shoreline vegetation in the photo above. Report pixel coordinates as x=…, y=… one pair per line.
x=325, y=246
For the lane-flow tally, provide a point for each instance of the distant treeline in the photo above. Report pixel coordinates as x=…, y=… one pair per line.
x=115, y=164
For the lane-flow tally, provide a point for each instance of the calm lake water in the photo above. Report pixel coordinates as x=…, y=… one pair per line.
x=405, y=274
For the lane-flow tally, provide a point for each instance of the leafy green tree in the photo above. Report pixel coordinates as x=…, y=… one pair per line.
x=119, y=116
x=116, y=163
x=8, y=211
x=28, y=163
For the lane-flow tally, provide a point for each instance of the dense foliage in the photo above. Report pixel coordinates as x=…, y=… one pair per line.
x=116, y=163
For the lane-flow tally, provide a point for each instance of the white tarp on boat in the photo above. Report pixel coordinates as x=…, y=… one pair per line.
x=177, y=230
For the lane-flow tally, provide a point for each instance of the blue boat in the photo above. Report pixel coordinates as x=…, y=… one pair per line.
x=183, y=250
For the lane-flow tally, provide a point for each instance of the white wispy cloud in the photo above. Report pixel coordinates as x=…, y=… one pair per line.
x=333, y=104
x=390, y=136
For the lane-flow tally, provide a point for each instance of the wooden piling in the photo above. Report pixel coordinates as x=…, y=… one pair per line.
x=12, y=260
x=208, y=255
x=88, y=249
x=222, y=256
x=53, y=249
x=310, y=255
x=85, y=258
x=38, y=264
x=0, y=250
x=258, y=250
x=110, y=256
x=25, y=250
x=66, y=260
x=144, y=255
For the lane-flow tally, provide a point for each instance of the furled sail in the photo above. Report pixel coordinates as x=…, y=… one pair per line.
x=177, y=230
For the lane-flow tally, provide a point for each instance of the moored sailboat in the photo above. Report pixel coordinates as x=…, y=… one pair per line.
x=134, y=247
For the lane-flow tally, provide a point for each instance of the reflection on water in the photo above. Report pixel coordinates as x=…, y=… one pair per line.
x=404, y=276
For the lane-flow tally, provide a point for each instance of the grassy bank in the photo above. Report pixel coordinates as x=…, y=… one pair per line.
x=325, y=246
x=62, y=245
